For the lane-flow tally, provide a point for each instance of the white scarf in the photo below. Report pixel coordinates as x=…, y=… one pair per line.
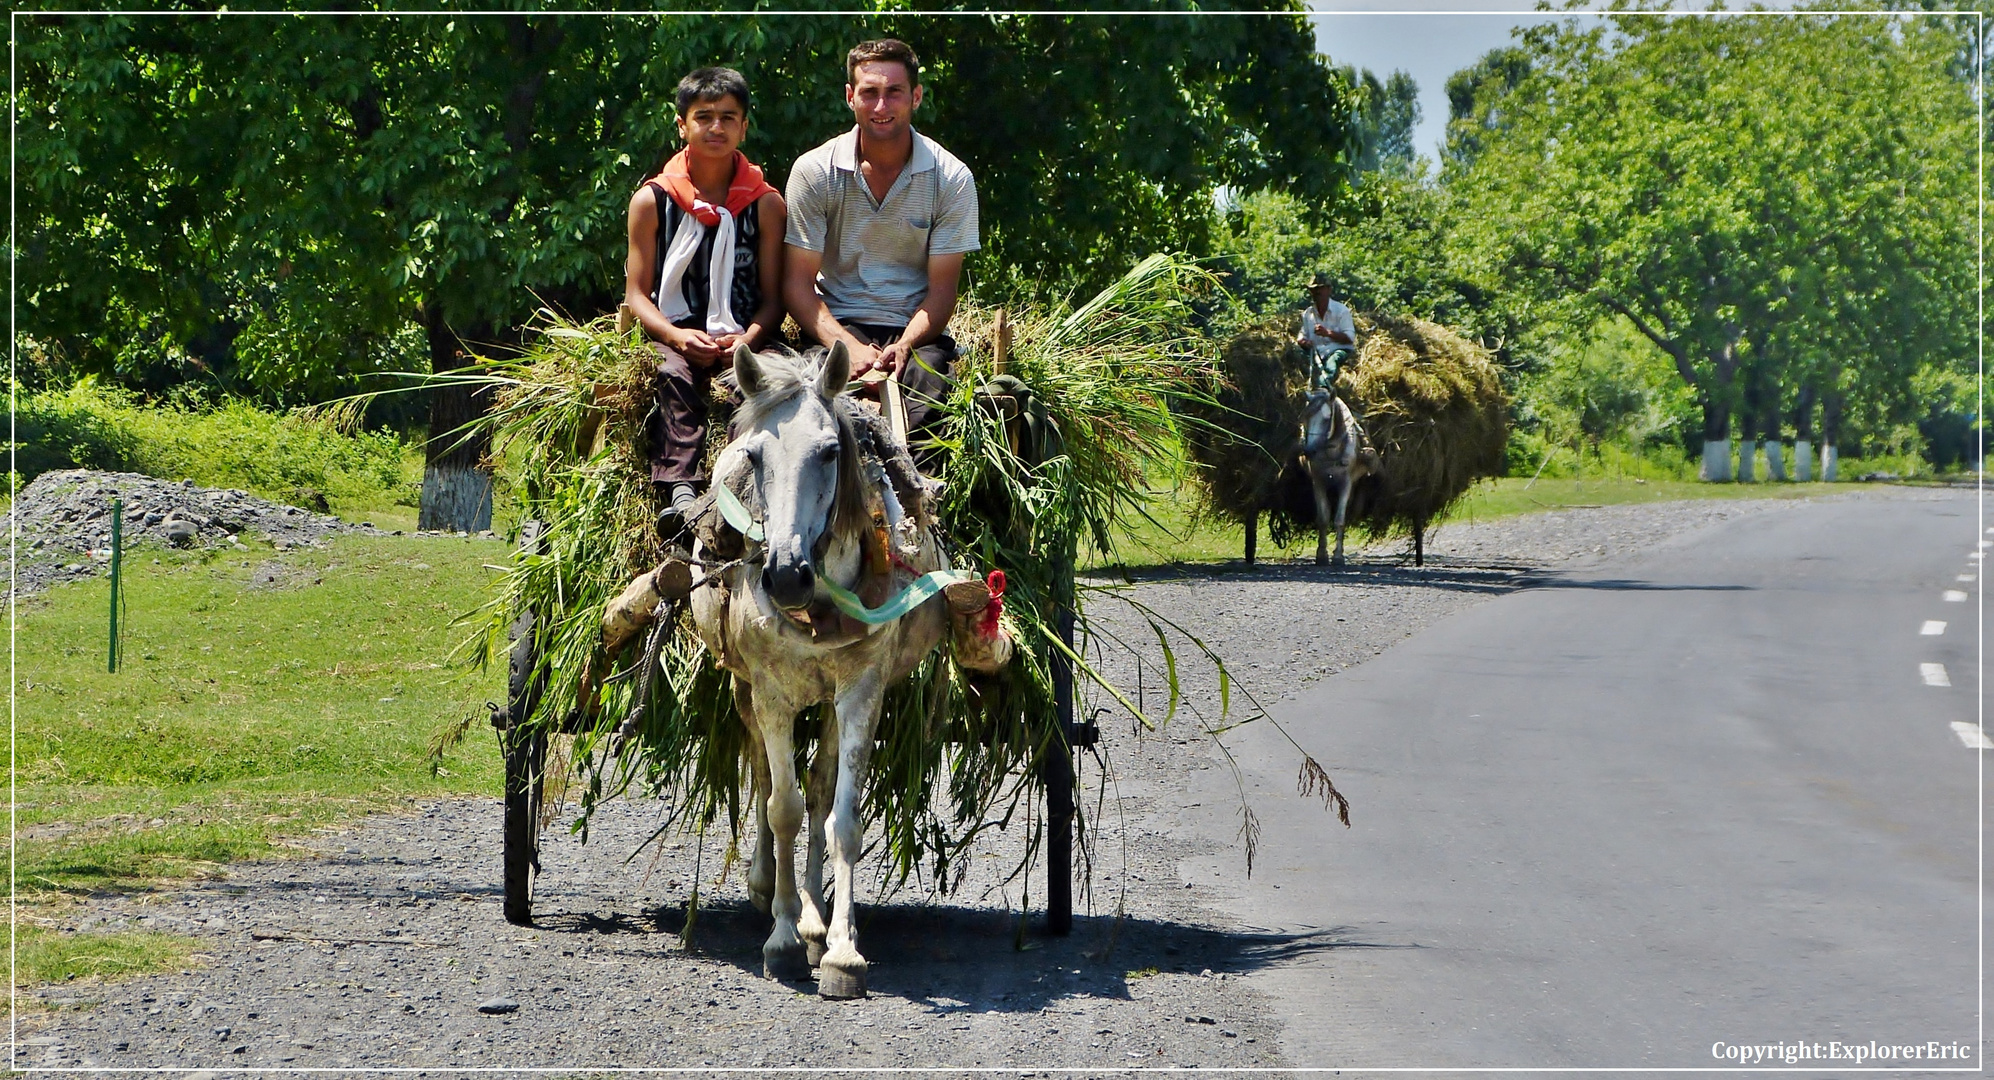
x=719, y=273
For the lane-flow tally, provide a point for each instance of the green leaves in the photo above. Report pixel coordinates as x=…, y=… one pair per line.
x=273, y=200
x=1773, y=200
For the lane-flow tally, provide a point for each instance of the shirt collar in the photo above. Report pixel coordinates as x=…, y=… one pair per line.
x=845, y=153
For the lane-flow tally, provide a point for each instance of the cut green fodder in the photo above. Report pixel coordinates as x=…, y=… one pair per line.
x=1095, y=384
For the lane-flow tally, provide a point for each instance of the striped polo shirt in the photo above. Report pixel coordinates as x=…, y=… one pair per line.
x=875, y=267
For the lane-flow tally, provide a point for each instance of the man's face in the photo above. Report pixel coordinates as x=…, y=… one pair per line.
x=714, y=128
x=1320, y=294
x=883, y=99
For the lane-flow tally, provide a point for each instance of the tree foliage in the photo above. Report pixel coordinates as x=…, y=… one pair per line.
x=1777, y=202
x=284, y=202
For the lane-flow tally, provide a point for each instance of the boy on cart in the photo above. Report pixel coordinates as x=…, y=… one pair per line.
x=704, y=273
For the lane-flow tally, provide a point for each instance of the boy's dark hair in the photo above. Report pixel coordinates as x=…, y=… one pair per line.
x=712, y=84
x=887, y=49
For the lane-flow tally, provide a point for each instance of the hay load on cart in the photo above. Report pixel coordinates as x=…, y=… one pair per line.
x=1055, y=414
x=1431, y=404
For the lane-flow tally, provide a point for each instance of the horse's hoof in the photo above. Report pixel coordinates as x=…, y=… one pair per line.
x=789, y=965
x=840, y=982
x=813, y=950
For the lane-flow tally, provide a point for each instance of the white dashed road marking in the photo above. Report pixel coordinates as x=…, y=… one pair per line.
x=1964, y=577
x=1932, y=628
x=1935, y=674
x=1954, y=596
x=1972, y=736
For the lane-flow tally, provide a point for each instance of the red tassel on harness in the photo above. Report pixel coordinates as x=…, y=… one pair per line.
x=995, y=583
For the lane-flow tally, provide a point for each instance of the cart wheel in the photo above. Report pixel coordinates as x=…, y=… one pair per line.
x=525, y=753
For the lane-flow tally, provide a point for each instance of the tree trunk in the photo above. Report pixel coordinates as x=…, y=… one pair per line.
x=1716, y=468
x=1769, y=432
x=1419, y=543
x=456, y=488
x=1831, y=431
x=1748, y=450
x=1803, y=436
x=1252, y=535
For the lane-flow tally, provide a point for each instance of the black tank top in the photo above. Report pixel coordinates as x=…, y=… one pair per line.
x=747, y=291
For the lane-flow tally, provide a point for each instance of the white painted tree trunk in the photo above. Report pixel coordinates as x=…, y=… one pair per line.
x=1803, y=460
x=457, y=498
x=1748, y=450
x=1828, y=460
x=1716, y=461
x=1775, y=462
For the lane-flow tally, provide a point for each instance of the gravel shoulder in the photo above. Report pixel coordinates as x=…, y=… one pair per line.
x=376, y=945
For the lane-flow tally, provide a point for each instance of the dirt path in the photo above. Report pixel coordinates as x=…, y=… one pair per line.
x=378, y=946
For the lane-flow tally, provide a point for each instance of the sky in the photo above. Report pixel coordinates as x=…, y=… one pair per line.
x=1427, y=39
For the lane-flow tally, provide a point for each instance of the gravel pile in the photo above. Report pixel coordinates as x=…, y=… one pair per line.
x=382, y=943
x=64, y=522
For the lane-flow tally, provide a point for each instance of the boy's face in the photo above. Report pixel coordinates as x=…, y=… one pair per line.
x=714, y=128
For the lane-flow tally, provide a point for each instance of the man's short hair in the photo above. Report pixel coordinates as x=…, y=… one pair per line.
x=891, y=50
x=712, y=84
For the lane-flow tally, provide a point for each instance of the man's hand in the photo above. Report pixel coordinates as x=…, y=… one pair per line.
x=865, y=357
x=1339, y=337
x=894, y=356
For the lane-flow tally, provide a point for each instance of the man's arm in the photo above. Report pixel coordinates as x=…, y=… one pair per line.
x=931, y=319
x=694, y=344
x=799, y=292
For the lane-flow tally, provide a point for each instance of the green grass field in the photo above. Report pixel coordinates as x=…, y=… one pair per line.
x=259, y=695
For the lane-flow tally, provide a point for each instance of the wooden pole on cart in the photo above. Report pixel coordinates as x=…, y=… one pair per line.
x=1056, y=771
x=1001, y=350
x=896, y=409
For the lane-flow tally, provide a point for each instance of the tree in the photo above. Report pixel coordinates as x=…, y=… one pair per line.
x=289, y=202
x=1387, y=114
x=1773, y=201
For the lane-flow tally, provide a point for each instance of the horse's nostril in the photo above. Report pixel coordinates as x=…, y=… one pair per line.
x=806, y=578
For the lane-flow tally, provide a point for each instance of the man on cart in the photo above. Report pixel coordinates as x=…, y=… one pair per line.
x=880, y=218
x=1327, y=332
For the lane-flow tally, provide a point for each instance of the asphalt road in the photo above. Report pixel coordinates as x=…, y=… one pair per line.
x=1706, y=796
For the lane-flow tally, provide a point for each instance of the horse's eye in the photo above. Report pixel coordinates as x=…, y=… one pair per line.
x=828, y=455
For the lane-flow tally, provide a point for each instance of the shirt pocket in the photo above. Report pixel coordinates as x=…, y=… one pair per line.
x=920, y=224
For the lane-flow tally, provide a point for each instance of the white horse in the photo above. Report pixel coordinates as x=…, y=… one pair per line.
x=1334, y=453
x=828, y=489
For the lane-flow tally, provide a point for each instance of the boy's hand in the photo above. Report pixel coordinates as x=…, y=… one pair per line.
x=697, y=347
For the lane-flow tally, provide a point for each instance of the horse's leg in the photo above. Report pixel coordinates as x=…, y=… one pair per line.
x=823, y=777
x=761, y=866
x=1343, y=486
x=1316, y=483
x=842, y=972
x=782, y=954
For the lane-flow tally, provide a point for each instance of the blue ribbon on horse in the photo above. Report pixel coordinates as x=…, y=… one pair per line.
x=918, y=592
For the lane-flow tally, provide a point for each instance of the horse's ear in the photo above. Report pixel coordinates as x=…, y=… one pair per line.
x=837, y=371
x=747, y=370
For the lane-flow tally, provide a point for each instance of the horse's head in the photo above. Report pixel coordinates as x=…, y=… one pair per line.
x=787, y=461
